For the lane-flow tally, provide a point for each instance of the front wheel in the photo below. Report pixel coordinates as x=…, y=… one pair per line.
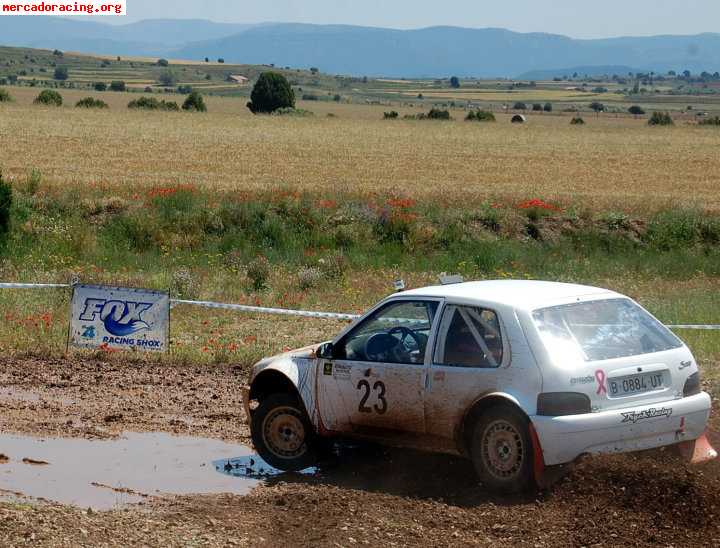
x=282, y=433
x=502, y=451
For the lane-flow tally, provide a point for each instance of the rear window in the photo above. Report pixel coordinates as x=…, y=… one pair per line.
x=601, y=330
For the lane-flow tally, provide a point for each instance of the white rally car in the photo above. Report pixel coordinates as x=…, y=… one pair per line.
x=516, y=375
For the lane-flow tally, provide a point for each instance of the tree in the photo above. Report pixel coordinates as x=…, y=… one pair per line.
x=117, y=85
x=167, y=78
x=194, y=102
x=221, y=60
x=314, y=70
x=597, y=107
x=163, y=62
x=455, y=82
x=271, y=92
x=49, y=97
x=520, y=106
x=537, y=107
x=547, y=107
x=58, y=53
x=100, y=86
x=61, y=73
x=636, y=110
x=660, y=119
x=207, y=59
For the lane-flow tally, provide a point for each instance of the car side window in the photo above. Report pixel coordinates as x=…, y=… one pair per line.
x=469, y=336
x=396, y=333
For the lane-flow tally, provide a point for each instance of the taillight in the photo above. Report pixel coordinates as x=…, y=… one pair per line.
x=692, y=385
x=557, y=404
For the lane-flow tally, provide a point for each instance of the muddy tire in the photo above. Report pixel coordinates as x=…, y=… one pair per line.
x=502, y=451
x=282, y=433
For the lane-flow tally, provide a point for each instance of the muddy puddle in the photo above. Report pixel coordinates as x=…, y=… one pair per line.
x=104, y=474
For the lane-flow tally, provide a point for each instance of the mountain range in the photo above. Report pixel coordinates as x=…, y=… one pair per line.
x=370, y=51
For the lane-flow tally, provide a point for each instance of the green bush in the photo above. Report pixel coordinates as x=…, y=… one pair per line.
x=271, y=92
x=636, y=110
x=547, y=107
x=4, y=96
x=5, y=206
x=661, y=119
x=714, y=121
x=520, y=106
x=91, y=102
x=151, y=103
x=195, y=102
x=163, y=62
x=167, y=78
x=258, y=272
x=61, y=73
x=392, y=115
x=537, y=107
x=438, y=114
x=309, y=97
x=577, y=121
x=100, y=86
x=480, y=116
x=117, y=85
x=49, y=97
x=673, y=230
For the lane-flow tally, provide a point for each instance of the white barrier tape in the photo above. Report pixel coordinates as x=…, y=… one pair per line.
x=699, y=327
x=286, y=312
x=31, y=286
x=265, y=310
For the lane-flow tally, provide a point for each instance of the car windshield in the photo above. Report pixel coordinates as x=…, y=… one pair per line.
x=601, y=330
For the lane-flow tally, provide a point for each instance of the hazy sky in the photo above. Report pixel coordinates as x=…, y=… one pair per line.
x=577, y=18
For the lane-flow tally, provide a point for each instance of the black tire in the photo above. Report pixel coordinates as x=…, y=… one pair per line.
x=282, y=433
x=502, y=451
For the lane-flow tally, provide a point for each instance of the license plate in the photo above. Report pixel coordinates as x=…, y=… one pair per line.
x=636, y=384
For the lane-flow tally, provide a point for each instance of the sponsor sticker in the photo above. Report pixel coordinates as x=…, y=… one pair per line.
x=652, y=413
x=341, y=371
x=119, y=318
x=582, y=380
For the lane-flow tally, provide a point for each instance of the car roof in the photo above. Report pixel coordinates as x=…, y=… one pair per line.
x=521, y=294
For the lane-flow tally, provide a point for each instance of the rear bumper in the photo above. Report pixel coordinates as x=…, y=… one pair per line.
x=563, y=439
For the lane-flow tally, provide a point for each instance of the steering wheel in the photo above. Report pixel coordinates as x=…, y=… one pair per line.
x=405, y=332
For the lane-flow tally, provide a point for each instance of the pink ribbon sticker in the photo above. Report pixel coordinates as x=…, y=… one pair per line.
x=600, y=378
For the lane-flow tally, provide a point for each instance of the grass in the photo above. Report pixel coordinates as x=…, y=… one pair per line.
x=137, y=198
x=614, y=163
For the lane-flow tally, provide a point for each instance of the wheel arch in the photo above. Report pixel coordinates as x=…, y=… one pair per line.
x=474, y=412
x=272, y=381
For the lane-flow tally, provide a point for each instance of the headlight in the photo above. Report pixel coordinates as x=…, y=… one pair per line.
x=692, y=385
x=558, y=404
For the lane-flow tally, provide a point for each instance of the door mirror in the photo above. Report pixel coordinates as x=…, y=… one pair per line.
x=325, y=351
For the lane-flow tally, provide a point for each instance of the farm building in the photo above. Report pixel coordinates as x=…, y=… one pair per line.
x=237, y=78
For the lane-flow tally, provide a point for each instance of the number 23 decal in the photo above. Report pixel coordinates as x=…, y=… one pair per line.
x=378, y=387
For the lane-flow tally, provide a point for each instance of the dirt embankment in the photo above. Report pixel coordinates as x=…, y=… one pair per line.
x=368, y=496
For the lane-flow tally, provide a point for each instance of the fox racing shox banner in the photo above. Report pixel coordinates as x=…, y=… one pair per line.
x=119, y=318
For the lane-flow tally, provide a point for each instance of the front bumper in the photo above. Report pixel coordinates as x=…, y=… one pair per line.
x=563, y=439
x=245, y=397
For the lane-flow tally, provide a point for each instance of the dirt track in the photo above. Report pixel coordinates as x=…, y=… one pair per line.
x=369, y=496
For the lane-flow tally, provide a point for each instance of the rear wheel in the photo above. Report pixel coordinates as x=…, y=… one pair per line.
x=282, y=433
x=502, y=451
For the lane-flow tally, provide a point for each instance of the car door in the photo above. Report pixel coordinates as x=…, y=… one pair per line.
x=470, y=359
x=376, y=377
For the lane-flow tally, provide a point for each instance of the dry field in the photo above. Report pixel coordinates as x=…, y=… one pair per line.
x=612, y=162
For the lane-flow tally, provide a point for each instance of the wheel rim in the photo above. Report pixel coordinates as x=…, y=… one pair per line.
x=284, y=433
x=502, y=450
